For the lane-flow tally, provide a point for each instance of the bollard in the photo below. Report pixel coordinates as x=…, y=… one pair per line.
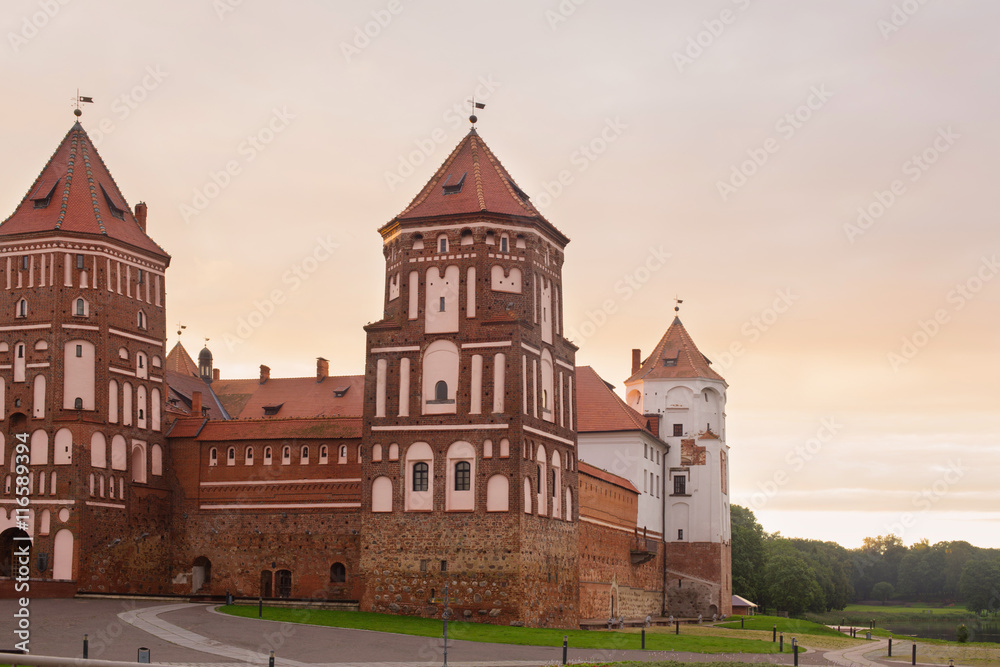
x=229, y=598
x=565, y=644
x=774, y=634
x=781, y=643
x=677, y=627
x=741, y=622
x=260, y=607
x=270, y=660
x=868, y=635
x=890, y=647
x=143, y=655
x=86, y=646
x=795, y=655
x=913, y=660
x=643, y=640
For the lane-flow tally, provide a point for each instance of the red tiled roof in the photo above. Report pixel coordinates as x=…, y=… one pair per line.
x=606, y=476
x=599, y=409
x=688, y=361
x=298, y=397
x=78, y=204
x=487, y=188
x=282, y=429
x=181, y=389
x=185, y=428
x=179, y=361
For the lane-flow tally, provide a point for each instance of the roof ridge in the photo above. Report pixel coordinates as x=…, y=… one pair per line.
x=34, y=183
x=477, y=173
x=424, y=192
x=508, y=179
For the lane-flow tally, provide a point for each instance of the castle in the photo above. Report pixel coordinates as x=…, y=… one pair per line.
x=472, y=454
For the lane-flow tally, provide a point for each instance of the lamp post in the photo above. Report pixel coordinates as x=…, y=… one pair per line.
x=444, y=616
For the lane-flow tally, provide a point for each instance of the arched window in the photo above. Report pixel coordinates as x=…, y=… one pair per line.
x=213, y=456
x=81, y=307
x=142, y=320
x=248, y=456
x=304, y=455
x=267, y=456
x=463, y=476
x=324, y=454
x=376, y=452
x=342, y=457
x=22, y=308
x=231, y=456
x=420, y=472
x=441, y=391
x=286, y=455
x=497, y=494
x=382, y=494
x=338, y=573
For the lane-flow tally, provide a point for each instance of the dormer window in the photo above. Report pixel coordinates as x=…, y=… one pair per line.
x=42, y=196
x=271, y=410
x=340, y=392
x=114, y=204
x=453, y=188
x=670, y=361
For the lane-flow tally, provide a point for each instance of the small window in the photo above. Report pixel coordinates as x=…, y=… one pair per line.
x=142, y=320
x=24, y=262
x=441, y=305
x=20, y=351
x=213, y=456
x=463, y=476
x=423, y=568
x=338, y=573
x=420, y=471
x=286, y=455
x=418, y=242
x=142, y=276
x=324, y=454
x=670, y=362
x=504, y=243
x=442, y=243
x=680, y=485
x=79, y=350
x=78, y=405
x=453, y=188
x=267, y=456
x=80, y=307
x=553, y=485
x=645, y=450
x=248, y=456
x=441, y=391
x=141, y=414
x=680, y=533
x=444, y=566
x=22, y=308
x=304, y=455
x=545, y=399
x=678, y=429
x=231, y=456
x=79, y=261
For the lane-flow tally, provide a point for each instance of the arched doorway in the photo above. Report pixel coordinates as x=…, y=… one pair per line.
x=10, y=540
x=284, y=583
x=265, y=583
x=201, y=574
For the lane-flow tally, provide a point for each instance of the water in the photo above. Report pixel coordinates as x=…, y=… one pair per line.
x=979, y=631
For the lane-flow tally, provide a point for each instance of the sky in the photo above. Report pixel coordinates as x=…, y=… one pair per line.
x=815, y=180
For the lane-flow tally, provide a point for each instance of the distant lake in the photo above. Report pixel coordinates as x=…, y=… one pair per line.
x=979, y=631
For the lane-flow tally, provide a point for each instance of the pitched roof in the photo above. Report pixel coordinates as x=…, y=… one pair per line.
x=179, y=361
x=599, y=409
x=297, y=397
x=181, y=395
x=606, y=476
x=283, y=429
x=675, y=356
x=472, y=181
x=82, y=196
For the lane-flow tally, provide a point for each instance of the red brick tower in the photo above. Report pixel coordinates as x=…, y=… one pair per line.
x=81, y=372
x=469, y=474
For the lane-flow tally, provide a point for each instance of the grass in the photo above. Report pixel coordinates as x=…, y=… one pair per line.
x=668, y=663
x=694, y=642
x=793, y=626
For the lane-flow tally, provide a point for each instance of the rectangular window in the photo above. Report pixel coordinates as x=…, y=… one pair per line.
x=24, y=262
x=645, y=451
x=79, y=350
x=680, y=485
x=678, y=429
x=142, y=276
x=79, y=261
x=423, y=565
x=442, y=304
x=444, y=566
x=680, y=533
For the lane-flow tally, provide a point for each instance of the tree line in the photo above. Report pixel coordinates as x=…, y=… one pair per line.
x=798, y=575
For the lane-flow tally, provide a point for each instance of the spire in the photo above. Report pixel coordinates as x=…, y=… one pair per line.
x=675, y=356
x=76, y=194
x=472, y=181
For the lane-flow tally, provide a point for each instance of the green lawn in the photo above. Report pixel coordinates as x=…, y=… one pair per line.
x=915, y=608
x=788, y=626
x=504, y=634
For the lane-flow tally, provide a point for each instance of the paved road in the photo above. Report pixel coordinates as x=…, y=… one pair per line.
x=194, y=634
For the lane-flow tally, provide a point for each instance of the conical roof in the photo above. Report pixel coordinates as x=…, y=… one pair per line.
x=675, y=356
x=470, y=181
x=76, y=194
x=180, y=362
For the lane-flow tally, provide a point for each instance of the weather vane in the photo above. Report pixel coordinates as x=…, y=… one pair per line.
x=78, y=100
x=475, y=105
x=677, y=304
x=180, y=329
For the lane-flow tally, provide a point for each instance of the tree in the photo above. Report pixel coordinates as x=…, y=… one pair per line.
x=748, y=553
x=980, y=584
x=882, y=591
x=790, y=584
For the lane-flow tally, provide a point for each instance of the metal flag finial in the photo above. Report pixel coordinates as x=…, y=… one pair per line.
x=677, y=304
x=475, y=105
x=79, y=100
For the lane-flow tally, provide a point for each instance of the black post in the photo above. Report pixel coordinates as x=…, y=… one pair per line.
x=795, y=655
x=677, y=627
x=270, y=660
x=643, y=640
x=742, y=618
x=565, y=644
x=260, y=607
x=913, y=661
x=86, y=646
x=774, y=634
x=890, y=647
x=781, y=643
x=444, y=616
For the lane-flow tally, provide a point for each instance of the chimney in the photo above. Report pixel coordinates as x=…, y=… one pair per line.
x=653, y=424
x=636, y=360
x=196, y=404
x=215, y=375
x=140, y=215
x=265, y=373
x=322, y=369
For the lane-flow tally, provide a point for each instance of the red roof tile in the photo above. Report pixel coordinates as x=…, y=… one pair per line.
x=298, y=397
x=185, y=428
x=179, y=361
x=677, y=349
x=181, y=393
x=487, y=188
x=282, y=429
x=599, y=409
x=606, y=476
x=78, y=204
